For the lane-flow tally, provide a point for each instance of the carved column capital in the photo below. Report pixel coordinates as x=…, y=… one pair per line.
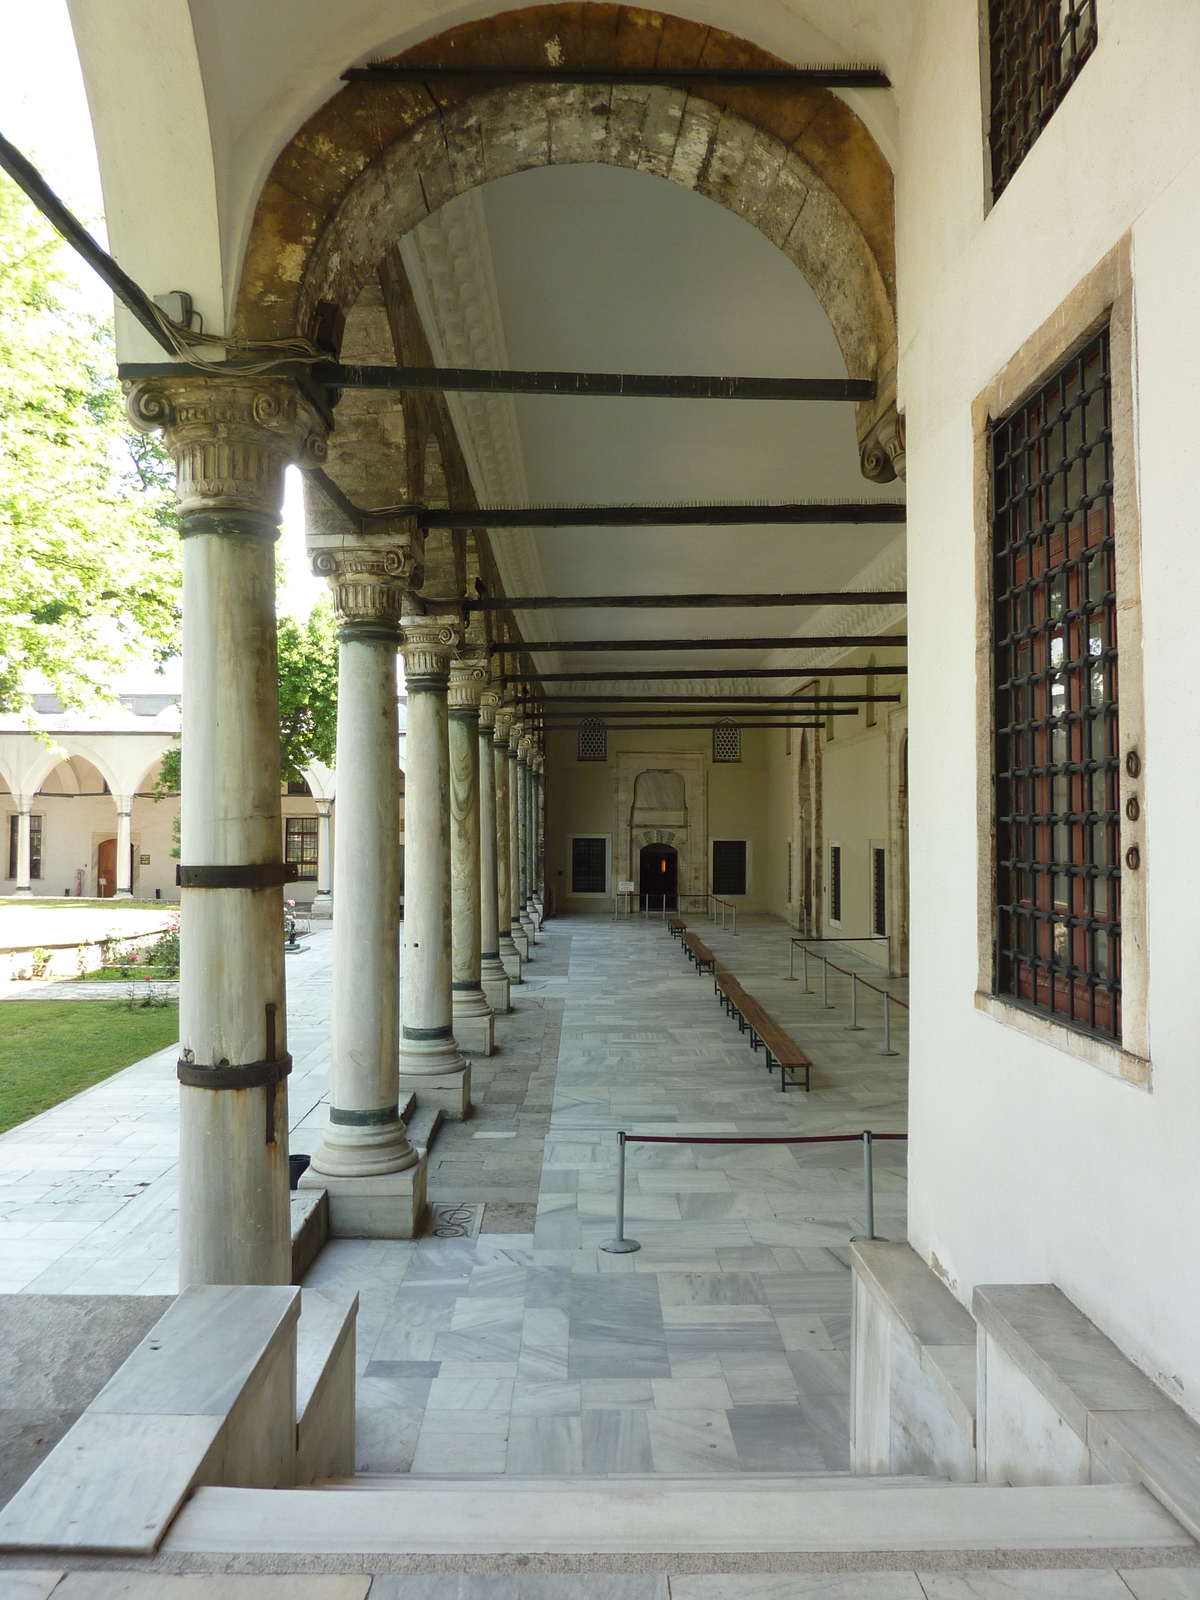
x=525, y=749
x=468, y=678
x=489, y=705
x=428, y=644
x=515, y=734
x=230, y=438
x=882, y=454
x=369, y=575
x=504, y=716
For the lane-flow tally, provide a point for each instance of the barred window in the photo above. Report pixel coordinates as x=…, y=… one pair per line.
x=1038, y=48
x=1058, y=873
x=729, y=866
x=589, y=866
x=835, y=883
x=300, y=846
x=592, y=740
x=879, y=891
x=727, y=741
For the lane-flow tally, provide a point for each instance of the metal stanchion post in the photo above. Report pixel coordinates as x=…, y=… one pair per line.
x=853, y=1025
x=825, y=984
x=887, y=1026
x=869, y=1187
x=620, y=1245
x=792, y=962
x=807, y=990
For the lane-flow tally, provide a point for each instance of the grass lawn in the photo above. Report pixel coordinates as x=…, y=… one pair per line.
x=51, y=1049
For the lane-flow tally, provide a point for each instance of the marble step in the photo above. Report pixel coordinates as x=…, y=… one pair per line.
x=424, y=1125
x=325, y=1384
x=479, y=1516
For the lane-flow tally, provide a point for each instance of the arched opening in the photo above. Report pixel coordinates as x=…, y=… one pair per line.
x=659, y=885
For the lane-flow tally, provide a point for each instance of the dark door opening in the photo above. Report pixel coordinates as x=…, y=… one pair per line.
x=660, y=876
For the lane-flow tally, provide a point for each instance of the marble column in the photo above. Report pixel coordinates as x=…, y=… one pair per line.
x=524, y=750
x=24, y=879
x=491, y=968
x=374, y=1177
x=322, y=905
x=539, y=831
x=474, y=1020
x=124, y=890
x=430, y=1060
x=510, y=956
x=231, y=439
x=520, y=933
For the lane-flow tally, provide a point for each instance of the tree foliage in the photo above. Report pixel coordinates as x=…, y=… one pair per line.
x=89, y=558
x=308, y=684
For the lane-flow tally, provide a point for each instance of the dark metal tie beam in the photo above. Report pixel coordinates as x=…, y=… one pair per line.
x=852, y=76
x=603, y=385
x=712, y=701
x=798, y=513
x=678, y=727
x=670, y=674
x=652, y=602
x=746, y=714
x=820, y=641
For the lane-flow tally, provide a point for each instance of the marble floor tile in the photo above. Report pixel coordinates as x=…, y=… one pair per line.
x=616, y=1440
x=385, y=1438
x=545, y=1445
x=470, y=1394
x=1071, y=1584
x=684, y=1442
x=775, y=1438
x=462, y=1441
x=546, y=1399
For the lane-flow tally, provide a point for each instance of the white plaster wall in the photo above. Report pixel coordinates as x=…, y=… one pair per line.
x=1025, y=1163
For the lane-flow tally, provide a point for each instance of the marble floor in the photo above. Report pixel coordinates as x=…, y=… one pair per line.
x=720, y=1347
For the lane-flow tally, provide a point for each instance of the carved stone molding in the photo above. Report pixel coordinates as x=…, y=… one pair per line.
x=882, y=454
x=230, y=438
x=489, y=705
x=428, y=644
x=515, y=735
x=504, y=716
x=369, y=580
x=468, y=678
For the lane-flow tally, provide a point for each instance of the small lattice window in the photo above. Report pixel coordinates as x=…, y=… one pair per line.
x=592, y=740
x=729, y=866
x=589, y=865
x=1037, y=48
x=727, y=741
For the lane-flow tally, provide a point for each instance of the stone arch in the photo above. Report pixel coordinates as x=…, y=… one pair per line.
x=376, y=159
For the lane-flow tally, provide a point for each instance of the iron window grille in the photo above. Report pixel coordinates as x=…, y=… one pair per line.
x=835, y=883
x=1054, y=639
x=589, y=866
x=592, y=740
x=727, y=741
x=729, y=866
x=300, y=846
x=1037, y=50
x=789, y=865
x=879, y=891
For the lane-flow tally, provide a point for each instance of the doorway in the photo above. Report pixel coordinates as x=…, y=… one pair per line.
x=660, y=875
x=106, y=869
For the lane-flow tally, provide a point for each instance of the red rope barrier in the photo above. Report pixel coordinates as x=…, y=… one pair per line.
x=894, y=998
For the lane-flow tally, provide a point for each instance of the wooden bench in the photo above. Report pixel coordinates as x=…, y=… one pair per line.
x=782, y=1050
x=699, y=953
x=730, y=993
x=676, y=926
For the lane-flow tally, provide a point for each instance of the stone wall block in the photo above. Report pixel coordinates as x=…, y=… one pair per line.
x=660, y=130
x=694, y=149
x=774, y=209
x=626, y=116
x=844, y=277
x=577, y=132
x=733, y=140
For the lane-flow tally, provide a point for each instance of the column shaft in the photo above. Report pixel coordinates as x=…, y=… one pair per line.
x=520, y=935
x=323, y=903
x=473, y=1017
x=124, y=850
x=509, y=954
x=24, y=882
x=430, y=1060
x=492, y=973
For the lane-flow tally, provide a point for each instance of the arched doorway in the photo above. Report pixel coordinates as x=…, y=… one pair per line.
x=660, y=875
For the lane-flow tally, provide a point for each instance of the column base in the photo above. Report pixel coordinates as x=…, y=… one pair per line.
x=474, y=1022
x=520, y=937
x=123, y=894
x=530, y=926
x=322, y=908
x=447, y=1092
x=510, y=958
x=495, y=985
x=26, y=890
x=391, y=1206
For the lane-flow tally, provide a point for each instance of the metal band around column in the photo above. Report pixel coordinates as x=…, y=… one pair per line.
x=249, y=1075
x=374, y=1117
x=252, y=875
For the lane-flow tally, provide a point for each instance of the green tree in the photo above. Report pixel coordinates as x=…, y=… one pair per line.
x=308, y=684
x=89, y=558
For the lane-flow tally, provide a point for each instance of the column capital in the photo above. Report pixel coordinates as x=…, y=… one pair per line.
x=504, y=716
x=468, y=679
x=489, y=706
x=515, y=734
x=230, y=438
x=525, y=749
x=370, y=574
x=428, y=642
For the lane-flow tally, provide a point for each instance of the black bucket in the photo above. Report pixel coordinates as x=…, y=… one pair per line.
x=296, y=1165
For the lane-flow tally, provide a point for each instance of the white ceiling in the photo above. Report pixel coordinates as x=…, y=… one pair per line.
x=604, y=269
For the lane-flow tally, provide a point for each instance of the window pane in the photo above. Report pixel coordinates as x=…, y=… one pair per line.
x=729, y=866
x=1058, y=874
x=301, y=845
x=1038, y=48
x=589, y=861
